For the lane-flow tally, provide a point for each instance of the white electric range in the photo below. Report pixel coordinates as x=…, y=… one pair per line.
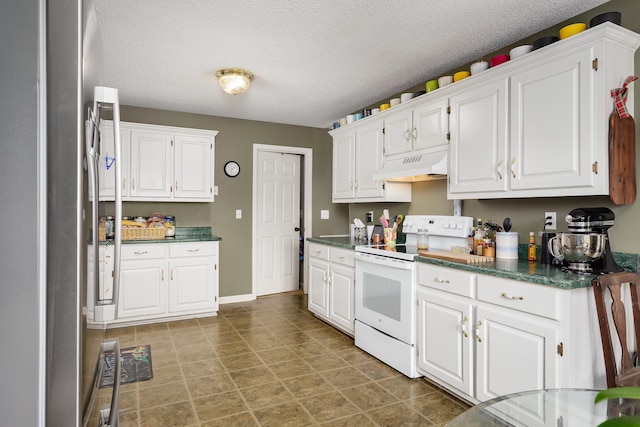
x=385, y=289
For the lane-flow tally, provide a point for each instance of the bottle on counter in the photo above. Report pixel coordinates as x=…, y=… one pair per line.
x=532, y=248
x=478, y=240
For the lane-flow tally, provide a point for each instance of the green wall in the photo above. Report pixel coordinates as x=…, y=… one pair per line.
x=528, y=214
x=235, y=142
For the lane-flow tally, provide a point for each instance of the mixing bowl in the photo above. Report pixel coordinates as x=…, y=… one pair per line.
x=577, y=247
x=572, y=29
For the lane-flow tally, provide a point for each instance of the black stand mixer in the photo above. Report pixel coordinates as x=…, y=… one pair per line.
x=595, y=220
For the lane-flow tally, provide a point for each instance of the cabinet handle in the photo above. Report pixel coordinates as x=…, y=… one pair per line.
x=355, y=184
x=341, y=258
x=318, y=252
x=463, y=327
x=513, y=163
x=176, y=185
x=478, y=326
x=439, y=280
x=351, y=185
x=407, y=136
x=162, y=274
x=124, y=184
x=505, y=295
x=500, y=167
x=172, y=274
x=133, y=184
x=193, y=250
x=140, y=252
x=415, y=134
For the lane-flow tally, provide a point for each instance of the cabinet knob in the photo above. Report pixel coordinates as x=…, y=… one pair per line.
x=463, y=327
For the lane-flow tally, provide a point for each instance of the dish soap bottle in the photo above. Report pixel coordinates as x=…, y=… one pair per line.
x=532, y=248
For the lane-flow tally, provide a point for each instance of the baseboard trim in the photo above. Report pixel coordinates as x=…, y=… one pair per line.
x=237, y=298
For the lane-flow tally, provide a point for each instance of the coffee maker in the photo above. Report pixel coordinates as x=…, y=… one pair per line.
x=599, y=221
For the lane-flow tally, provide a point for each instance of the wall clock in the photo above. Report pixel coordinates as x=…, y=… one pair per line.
x=232, y=169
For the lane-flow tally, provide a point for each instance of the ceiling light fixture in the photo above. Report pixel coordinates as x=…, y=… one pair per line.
x=234, y=80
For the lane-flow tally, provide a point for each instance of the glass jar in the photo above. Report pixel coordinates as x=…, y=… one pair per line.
x=422, y=239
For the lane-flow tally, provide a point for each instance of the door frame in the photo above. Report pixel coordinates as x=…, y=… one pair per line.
x=306, y=160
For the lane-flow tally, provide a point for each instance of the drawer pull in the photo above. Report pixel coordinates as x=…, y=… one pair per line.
x=318, y=252
x=193, y=250
x=463, y=327
x=439, y=280
x=141, y=252
x=341, y=258
x=504, y=294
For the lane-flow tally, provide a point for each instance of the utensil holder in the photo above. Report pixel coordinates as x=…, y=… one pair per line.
x=390, y=236
x=360, y=234
x=507, y=245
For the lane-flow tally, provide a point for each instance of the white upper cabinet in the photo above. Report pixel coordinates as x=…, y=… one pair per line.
x=151, y=164
x=424, y=127
x=538, y=126
x=357, y=155
x=163, y=164
x=478, y=148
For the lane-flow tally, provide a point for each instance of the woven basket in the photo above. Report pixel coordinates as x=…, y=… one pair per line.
x=155, y=233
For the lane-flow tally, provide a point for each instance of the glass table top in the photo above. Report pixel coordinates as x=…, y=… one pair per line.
x=552, y=407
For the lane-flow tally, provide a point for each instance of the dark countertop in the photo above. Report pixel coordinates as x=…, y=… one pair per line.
x=508, y=269
x=183, y=235
x=345, y=242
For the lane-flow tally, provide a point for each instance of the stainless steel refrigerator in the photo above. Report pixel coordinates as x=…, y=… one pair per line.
x=44, y=234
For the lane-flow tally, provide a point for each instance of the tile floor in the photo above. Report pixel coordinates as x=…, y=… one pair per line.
x=270, y=362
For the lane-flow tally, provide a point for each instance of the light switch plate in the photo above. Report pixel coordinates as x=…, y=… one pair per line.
x=324, y=214
x=238, y=213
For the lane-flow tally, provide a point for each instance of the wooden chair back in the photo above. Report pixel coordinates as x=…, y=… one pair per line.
x=626, y=374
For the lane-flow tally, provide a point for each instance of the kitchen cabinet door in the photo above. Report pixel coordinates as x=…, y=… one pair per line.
x=341, y=296
x=368, y=160
x=431, y=125
x=319, y=286
x=142, y=288
x=445, y=339
x=515, y=352
x=552, y=110
x=397, y=133
x=193, y=168
x=151, y=164
x=478, y=149
x=193, y=284
x=344, y=166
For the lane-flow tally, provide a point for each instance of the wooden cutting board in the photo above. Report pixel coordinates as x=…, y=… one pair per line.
x=462, y=258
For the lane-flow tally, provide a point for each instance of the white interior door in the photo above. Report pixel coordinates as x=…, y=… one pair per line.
x=278, y=221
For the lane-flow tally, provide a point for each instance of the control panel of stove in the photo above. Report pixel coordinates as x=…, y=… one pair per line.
x=449, y=226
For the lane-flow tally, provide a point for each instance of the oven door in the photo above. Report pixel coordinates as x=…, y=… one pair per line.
x=385, y=295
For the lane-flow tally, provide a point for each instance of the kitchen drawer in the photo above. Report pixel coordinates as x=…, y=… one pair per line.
x=156, y=250
x=319, y=251
x=446, y=279
x=540, y=300
x=192, y=249
x=343, y=256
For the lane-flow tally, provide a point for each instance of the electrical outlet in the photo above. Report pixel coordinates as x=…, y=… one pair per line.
x=324, y=214
x=550, y=219
x=369, y=216
x=238, y=213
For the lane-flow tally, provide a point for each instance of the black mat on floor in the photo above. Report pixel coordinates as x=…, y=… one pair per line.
x=135, y=362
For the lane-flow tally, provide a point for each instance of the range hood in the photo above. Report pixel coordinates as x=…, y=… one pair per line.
x=415, y=168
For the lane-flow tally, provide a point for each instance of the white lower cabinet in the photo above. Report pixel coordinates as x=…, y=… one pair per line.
x=331, y=285
x=166, y=280
x=482, y=337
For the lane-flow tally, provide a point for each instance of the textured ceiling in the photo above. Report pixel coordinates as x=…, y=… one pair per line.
x=314, y=61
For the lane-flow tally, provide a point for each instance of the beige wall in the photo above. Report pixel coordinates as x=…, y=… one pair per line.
x=235, y=142
x=528, y=214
